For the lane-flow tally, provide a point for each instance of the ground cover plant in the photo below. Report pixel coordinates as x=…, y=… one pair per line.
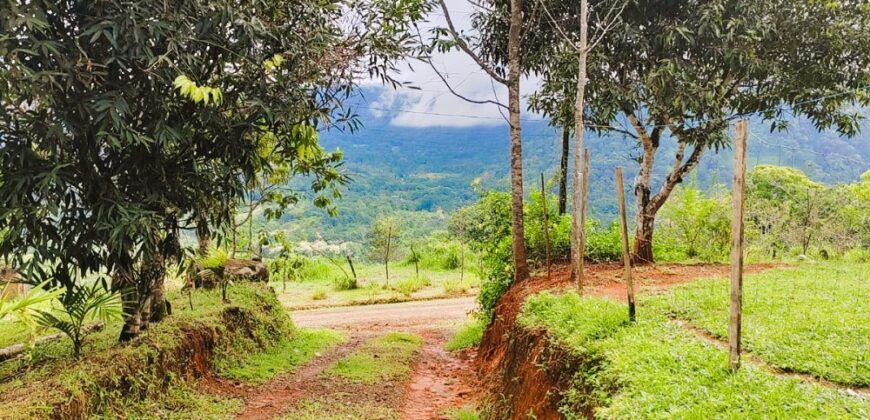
x=467, y=336
x=658, y=369
x=223, y=337
x=381, y=358
x=814, y=319
x=285, y=356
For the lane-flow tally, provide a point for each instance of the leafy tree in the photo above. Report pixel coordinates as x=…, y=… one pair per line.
x=682, y=70
x=125, y=121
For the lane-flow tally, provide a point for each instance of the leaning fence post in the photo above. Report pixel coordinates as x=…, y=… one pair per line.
x=626, y=251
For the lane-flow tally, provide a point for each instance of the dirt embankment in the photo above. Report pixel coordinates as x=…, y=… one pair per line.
x=524, y=371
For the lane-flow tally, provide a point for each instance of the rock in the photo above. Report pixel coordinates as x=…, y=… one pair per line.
x=251, y=270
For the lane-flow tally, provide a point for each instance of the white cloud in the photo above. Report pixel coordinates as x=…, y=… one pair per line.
x=432, y=104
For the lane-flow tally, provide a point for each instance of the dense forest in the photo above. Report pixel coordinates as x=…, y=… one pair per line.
x=422, y=175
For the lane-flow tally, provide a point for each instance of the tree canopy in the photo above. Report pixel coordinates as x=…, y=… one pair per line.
x=125, y=121
x=685, y=69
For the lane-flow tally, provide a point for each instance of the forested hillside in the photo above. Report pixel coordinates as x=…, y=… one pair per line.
x=421, y=175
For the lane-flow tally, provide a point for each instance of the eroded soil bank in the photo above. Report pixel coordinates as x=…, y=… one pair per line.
x=523, y=371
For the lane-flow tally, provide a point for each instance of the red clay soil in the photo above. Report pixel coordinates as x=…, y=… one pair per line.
x=440, y=380
x=603, y=280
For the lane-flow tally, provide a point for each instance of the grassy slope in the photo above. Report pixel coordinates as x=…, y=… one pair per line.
x=468, y=335
x=655, y=369
x=815, y=319
x=109, y=373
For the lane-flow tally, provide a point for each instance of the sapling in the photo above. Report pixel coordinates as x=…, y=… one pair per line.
x=81, y=304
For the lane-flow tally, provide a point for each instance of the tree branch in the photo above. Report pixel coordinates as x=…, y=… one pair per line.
x=677, y=173
x=464, y=47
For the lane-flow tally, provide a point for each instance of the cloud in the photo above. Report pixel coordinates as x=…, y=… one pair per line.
x=430, y=103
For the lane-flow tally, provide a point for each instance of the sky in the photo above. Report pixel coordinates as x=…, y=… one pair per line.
x=433, y=105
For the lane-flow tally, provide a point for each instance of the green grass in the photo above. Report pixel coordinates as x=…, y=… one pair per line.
x=380, y=359
x=339, y=407
x=655, y=369
x=411, y=285
x=150, y=366
x=814, y=319
x=467, y=336
x=182, y=402
x=286, y=356
x=372, y=287
x=464, y=413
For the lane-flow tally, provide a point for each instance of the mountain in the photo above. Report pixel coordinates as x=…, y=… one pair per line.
x=421, y=175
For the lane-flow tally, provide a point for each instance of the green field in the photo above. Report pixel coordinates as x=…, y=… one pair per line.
x=814, y=319
x=322, y=283
x=658, y=369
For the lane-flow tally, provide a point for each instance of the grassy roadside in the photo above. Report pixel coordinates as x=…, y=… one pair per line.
x=655, y=369
x=153, y=373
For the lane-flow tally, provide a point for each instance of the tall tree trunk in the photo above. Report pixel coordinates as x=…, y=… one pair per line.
x=648, y=205
x=563, y=170
x=521, y=267
x=577, y=230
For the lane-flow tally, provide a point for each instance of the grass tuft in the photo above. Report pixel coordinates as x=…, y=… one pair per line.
x=467, y=336
x=380, y=359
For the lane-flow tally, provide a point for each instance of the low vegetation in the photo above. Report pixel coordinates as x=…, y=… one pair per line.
x=285, y=356
x=814, y=319
x=657, y=369
x=383, y=358
x=467, y=336
x=156, y=367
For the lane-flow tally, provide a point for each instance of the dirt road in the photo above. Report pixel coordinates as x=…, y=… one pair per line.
x=419, y=314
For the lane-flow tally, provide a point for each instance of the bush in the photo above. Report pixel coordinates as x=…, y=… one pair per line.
x=411, y=285
x=603, y=244
x=345, y=283
x=319, y=294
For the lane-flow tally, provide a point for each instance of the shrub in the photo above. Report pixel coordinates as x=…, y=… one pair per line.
x=411, y=285
x=345, y=283
x=80, y=305
x=319, y=294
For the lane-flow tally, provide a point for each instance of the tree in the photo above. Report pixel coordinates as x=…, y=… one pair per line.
x=383, y=241
x=448, y=38
x=124, y=122
x=681, y=71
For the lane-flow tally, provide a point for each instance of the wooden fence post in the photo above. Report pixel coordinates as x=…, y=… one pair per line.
x=626, y=251
x=545, y=212
x=736, y=314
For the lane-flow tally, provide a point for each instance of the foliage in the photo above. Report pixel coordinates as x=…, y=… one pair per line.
x=811, y=319
x=109, y=161
x=23, y=308
x=80, y=305
x=153, y=365
x=656, y=369
x=467, y=336
x=682, y=71
x=286, y=356
x=699, y=222
x=286, y=265
x=383, y=358
x=385, y=233
x=787, y=211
